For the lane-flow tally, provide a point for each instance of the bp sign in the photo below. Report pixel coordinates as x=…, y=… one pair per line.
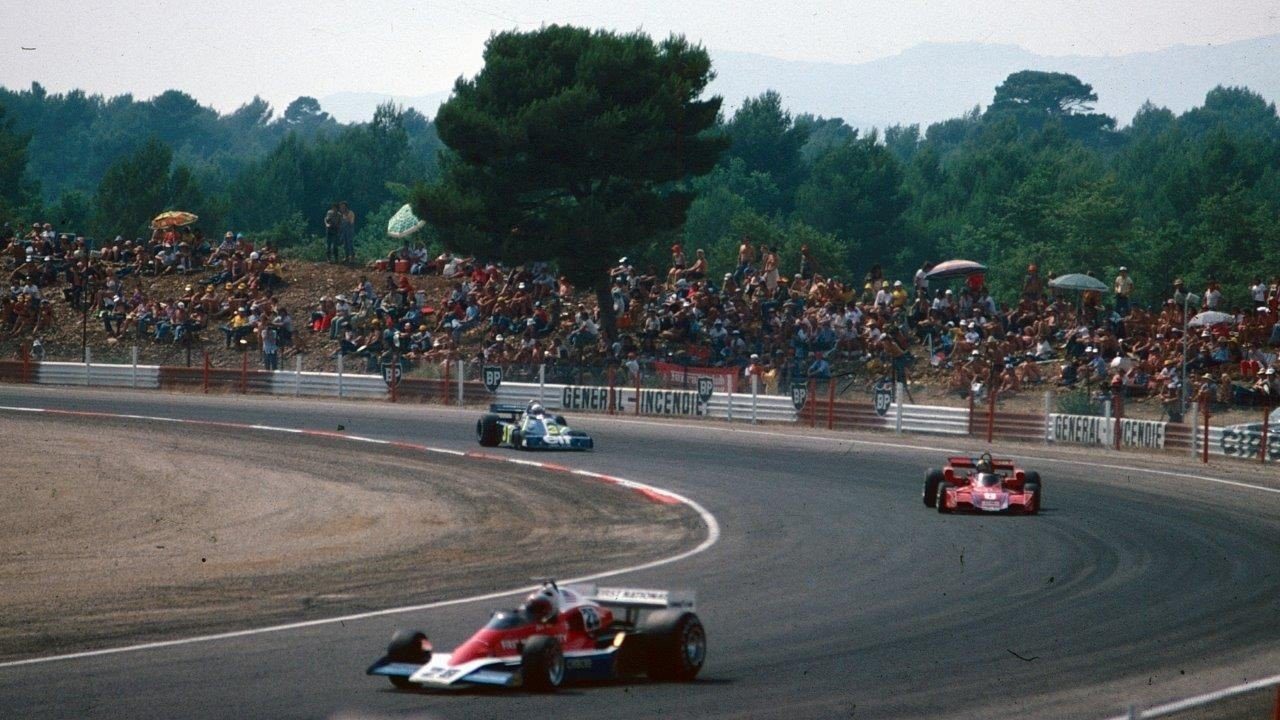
x=706, y=386
x=884, y=397
x=492, y=378
x=799, y=394
x=391, y=373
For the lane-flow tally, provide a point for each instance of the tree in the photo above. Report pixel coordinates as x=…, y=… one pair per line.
x=573, y=146
x=13, y=163
x=854, y=192
x=140, y=186
x=766, y=139
x=1035, y=98
x=304, y=115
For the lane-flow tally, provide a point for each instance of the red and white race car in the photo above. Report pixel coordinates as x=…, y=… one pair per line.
x=558, y=635
x=982, y=485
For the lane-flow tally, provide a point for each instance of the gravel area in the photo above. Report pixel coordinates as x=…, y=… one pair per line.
x=121, y=531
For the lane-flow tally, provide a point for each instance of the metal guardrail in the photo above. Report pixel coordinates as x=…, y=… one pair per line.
x=1242, y=441
x=124, y=376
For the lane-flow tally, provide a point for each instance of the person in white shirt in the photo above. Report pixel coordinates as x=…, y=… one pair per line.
x=922, y=280
x=1124, y=288
x=1258, y=291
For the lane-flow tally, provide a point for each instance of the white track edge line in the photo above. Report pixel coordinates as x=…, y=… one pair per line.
x=712, y=525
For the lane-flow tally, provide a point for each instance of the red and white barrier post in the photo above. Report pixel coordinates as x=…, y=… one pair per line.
x=1204, y=450
x=831, y=404
x=1266, y=427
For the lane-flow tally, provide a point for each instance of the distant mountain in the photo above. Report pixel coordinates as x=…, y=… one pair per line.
x=348, y=107
x=937, y=81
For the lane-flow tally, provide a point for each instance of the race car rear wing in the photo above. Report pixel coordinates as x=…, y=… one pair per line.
x=504, y=409
x=968, y=462
x=638, y=598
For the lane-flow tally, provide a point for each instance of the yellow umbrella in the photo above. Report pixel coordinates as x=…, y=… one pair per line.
x=173, y=218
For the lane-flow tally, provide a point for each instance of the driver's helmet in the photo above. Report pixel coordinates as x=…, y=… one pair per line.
x=988, y=479
x=535, y=409
x=542, y=605
x=984, y=465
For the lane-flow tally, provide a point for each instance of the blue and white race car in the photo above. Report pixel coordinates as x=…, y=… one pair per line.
x=529, y=428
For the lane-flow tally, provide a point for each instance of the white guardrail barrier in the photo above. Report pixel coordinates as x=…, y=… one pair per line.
x=126, y=376
x=1238, y=441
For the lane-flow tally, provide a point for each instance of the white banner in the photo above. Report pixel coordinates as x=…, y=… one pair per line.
x=1147, y=434
x=1080, y=429
x=1095, y=430
x=593, y=399
x=652, y=401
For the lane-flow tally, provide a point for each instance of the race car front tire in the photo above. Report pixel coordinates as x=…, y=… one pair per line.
x=406, y=646
x=517, y=440
x=676, y=644
x=940, y=500
x=932, y=479
x=561, y=421
x=542, y=664
x=488, y=430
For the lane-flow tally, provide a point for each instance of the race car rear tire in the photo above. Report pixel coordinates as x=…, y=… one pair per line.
x=1033, y=485
x=542, y=664
x=676, y=644
x=932, y=479
x=488, y=431
x=940, y=499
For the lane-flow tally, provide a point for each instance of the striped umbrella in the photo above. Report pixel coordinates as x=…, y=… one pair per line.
x=955, y=268
x=173, y=218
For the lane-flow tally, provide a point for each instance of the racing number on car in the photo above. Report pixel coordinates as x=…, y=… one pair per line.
x=590, y=619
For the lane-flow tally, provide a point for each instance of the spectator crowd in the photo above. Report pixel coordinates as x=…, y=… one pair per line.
x=760, y=319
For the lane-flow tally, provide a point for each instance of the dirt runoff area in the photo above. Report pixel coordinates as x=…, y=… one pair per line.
x=116, y=531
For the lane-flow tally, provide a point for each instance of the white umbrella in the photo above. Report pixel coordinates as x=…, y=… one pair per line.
x=1212, y=317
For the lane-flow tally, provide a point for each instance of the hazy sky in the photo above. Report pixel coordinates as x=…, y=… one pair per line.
x=225, y=51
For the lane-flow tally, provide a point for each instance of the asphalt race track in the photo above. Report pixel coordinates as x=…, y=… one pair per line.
x=832, y=592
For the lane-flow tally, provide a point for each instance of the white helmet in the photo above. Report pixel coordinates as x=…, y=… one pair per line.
x=543, y=605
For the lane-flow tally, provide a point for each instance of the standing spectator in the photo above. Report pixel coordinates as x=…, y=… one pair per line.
x=1032, y=287
x=807, y=268
x=770, y=268
x=1179, y=293
x=1123, y=289
x=746, y=258
x=347, y=231
x=1258, y=291
x=922, y=279
x=270, y=347
x=1212, y=296
x=332, y=233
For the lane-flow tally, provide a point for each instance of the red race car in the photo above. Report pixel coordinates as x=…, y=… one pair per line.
x=560, y=634
x=982, y=485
